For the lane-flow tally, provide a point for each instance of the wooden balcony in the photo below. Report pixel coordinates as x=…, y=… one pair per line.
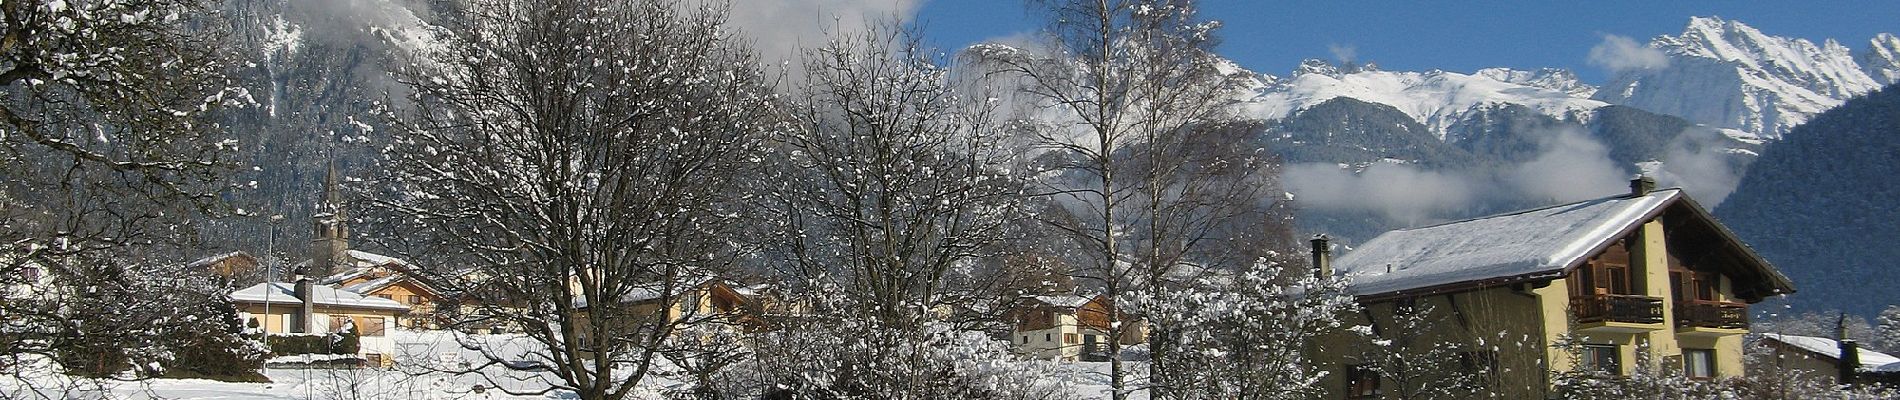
x=1618, y=313
x=1711, y=318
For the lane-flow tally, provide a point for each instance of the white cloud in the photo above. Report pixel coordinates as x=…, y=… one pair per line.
x=1572, y=166
x=780, y=29
x=1618, y=53
x=1400, y=193
x=1703, y=164
x=1569, y=166
x=1344, y=53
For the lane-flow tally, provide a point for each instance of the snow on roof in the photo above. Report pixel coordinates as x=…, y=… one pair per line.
x=1530, y=242
x=216, y=258
x=1071, y=301
x=366, y=287
x=285, y=293
x=1869, y=359
x=368, y=259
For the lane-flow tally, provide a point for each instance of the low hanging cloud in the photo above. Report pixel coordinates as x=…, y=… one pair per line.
x=1397, y=192
x=1620, y=53
x=1701, y=162
x=1571, y=166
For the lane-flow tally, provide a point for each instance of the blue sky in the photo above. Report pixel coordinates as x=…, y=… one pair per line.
x=1273, y=36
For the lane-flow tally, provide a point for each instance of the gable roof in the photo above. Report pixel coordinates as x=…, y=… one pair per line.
x=364, y=262
x=1535, y=244
x=285, y=293
x=1831, y=350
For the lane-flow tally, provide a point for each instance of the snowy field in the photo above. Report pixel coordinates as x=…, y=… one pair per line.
x=417, y=376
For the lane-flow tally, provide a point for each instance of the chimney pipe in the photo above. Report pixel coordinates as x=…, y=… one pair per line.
x=1322, y=257
x=304, y=315
x=1850, y=361
x=1642, y=185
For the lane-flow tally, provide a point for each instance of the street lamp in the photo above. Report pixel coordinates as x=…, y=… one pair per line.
x=270, y=274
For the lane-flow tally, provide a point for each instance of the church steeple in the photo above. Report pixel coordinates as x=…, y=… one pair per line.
x=330, y=245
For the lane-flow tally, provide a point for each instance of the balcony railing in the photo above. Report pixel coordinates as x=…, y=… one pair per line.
x=1618, y=308
x=1711, y=314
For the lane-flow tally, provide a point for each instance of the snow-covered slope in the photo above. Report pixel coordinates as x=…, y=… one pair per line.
x=1437, y=99
x=1881, y=60
x=1727, y=74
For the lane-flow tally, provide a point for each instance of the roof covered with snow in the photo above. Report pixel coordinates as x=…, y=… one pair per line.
x=285, y=293
x=1068, y=301
x=1869, y=359
x=1530, y=242
x=1542, y=243
x=202, y=262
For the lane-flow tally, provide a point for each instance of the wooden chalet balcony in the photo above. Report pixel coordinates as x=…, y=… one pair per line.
x=1711, y=317
x=1618, y=312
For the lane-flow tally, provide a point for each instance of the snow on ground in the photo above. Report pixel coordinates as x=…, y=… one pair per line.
x=416, y=376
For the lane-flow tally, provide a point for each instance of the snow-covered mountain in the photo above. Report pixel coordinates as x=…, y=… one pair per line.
x=1437, y=99
x=1727, y=74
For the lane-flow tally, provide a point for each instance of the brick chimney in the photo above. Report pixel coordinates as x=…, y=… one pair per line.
x=1322, y=257
x=1642, y=185
x=304, y=315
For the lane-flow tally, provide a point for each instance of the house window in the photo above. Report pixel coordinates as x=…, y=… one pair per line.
x=30, y=274
x=386, y=296
x=1362, y=381
x=372, y=326
x=1602, y=358
x=372, y=359
x=1619, y=279
x=339, y=323
x=1048, y=337
x=1068, y=338
x=1698, y=363
x=1025, y=339
x=1705, y=286
x=414, y=299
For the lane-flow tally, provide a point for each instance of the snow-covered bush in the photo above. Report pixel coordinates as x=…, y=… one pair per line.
x=1246, y=335
x=847, y=359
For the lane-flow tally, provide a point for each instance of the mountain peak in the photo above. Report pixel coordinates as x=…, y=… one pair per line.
x=1328, y=68
x=1881, y=60
x=1728, y=74
x=1558, y=79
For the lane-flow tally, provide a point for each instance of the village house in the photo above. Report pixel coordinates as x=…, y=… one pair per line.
x=305, y=308
x=333, y=265
x=1827, y=359
x=739, y=308
x=1532, y=294
x=236, y=265
x=376, y=275
x=1069, y=328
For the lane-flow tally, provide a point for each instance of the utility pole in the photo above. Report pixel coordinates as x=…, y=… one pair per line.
x=270, y=273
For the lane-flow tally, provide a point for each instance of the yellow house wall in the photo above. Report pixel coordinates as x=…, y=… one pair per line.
x=1498, y=319
x=1649, y=261
x=1538, y=320
x=422, y=312
x=280, y=314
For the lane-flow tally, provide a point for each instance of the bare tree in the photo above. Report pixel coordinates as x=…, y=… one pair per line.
x=580, y=156
x=895, y=194
x=1152, y=172
x=109, y=156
